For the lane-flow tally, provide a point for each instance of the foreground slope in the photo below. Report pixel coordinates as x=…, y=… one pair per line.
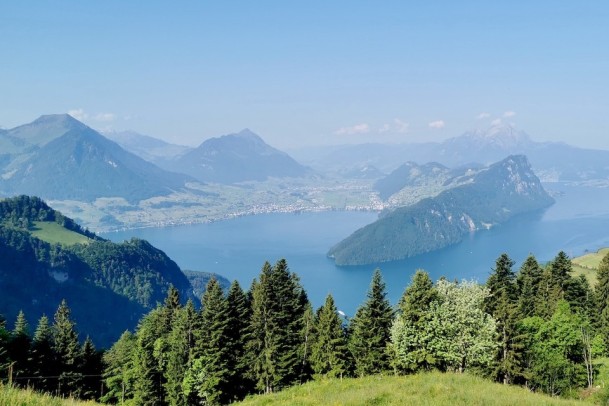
x=432, y=389
x=490, y=197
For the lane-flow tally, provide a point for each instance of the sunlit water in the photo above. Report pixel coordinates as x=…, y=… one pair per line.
x=236, y=249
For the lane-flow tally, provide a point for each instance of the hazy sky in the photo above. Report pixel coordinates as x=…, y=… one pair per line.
x=310, y=72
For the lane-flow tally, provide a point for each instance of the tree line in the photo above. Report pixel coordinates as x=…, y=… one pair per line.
x=538, y=327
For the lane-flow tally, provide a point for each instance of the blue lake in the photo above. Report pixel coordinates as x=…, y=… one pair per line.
x=237, y=248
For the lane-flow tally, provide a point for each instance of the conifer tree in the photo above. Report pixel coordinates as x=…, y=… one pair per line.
x=602, y=298
x=307, y=338
x=502, y=305
x=239, y=312
x=528, y=281
x=181, y=342
x=209, y=377
x=91, y=368
x=414, y=303
x=119, y=372
x=370, y=330
x=274, y=344
x=43, y=357
x=19, y=349
x=67, y=349
x=148, y=384
x=329, y=351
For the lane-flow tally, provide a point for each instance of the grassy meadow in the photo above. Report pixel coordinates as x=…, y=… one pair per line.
x=588, y=263
x=425, y=389
x=54, y=233
x=21, y=397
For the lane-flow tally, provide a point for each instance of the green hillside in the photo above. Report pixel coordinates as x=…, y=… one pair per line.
x=433, y=389
x=54, y=233
x=587, y=264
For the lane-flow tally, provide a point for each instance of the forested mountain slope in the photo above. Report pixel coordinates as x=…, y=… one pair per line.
x=490, y=197
x=109, y=286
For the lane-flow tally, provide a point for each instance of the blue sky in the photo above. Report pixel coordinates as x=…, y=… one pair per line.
x=310, y=73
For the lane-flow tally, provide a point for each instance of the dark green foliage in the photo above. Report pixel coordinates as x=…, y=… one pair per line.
x=148, y=380
x=22, y=211
x=556, y=351
x=209, y=374
x=239, y=313
x=602, y=299
x=67, y=351
x=502, y=305
x=370, y=330
x=119, y=374
x=274, y=336
x=43, y=356
x=180, y=343
x=4, y=355
x=528, y=281
x=90, y=367
x=113, y=284
x=417, y=297
x=329, y=353
x=19, y=350
x=134, y=269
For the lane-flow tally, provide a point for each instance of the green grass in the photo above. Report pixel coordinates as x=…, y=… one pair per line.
x=54, y=233
x=587, y=264
x=427, y=389
x=22, y=397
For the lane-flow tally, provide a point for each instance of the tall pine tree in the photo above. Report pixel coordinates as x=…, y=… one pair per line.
x=502, y=305
x=370, y=330
x=209, y=374
x=67, y=350
x=274, y=343
x=602, y=299
x=43, y=357
x=329, y=352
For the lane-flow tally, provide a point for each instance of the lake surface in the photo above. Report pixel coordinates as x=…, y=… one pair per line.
x=237, y=248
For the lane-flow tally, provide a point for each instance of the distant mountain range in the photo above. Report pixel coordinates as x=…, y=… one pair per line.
x=483, y=199
x=239, y=157
x=58, y=157
x=151, y=149
x=551, y=161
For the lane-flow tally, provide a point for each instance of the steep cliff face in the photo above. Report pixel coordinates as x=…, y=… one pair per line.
x=489, y=197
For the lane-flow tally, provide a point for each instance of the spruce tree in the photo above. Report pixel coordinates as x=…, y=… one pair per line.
x=151, y=335
x=19, y=350
x=370, y=330
x=68, y=351
x=501, y=303
x=602, y=298
x=211, y=384
x=181, y=342
x=119, y=372
x=329, y=351
x=91, y=368
x=42, y=357
x=528, y=281
x=274, y=345
x=307, y=338
x=414, y=303
x=239, y=312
